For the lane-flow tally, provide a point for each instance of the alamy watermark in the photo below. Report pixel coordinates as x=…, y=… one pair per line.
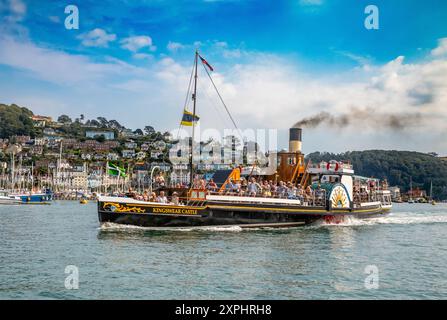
x=372, y=280
x=72, y=20
x=372, y=20
x=233, y=147
x=72, y=280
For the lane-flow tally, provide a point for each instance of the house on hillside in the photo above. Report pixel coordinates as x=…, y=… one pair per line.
x=108, y=135
x=128, y=154
x=41, y=121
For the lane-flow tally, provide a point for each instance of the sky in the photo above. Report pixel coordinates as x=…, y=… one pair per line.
x=275, y=63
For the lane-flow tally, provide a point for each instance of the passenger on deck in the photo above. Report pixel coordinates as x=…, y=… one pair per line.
x=230, y=186
x=162, y=198
x=281, y=191
x=212, y=186
x=319, y=192
x=273, y=188
x=175, y=199
x=266, y=190
x=300, y=193
x=131, y=193
x=244, y=185
x=236, y=187
x=253, y=187
x=309, y=194
x=153, y=197
x=291, y=191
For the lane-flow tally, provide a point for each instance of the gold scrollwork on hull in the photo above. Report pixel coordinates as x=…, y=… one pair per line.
x=116, y=207
x=339, y=198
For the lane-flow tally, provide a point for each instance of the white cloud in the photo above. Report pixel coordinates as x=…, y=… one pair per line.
x=97, y=38
x=311, y=2
x=57, y=66
x=17, y=7
x=138, y=42
x=143, y=56
x=441, y=49
x=54, y=19
x=174, y=46
x=14, y=10
x=261, y=91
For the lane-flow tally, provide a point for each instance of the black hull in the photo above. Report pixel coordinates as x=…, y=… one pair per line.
x=213, y=214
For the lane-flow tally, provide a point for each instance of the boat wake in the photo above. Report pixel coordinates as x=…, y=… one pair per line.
x=346, y=221
x=110, y=226
x=400, y=218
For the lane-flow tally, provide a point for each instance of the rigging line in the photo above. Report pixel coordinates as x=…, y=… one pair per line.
x=226, y=108
x=224, y=120
x=186, y=98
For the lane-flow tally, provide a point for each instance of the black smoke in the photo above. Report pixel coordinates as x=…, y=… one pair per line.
x=367, y=116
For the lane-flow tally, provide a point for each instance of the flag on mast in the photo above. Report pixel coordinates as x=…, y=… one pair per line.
x=206, y=63
x=188, y=118
x=114, y=170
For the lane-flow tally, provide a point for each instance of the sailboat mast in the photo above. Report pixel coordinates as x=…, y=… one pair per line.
x=194, y=98
x=431, y=189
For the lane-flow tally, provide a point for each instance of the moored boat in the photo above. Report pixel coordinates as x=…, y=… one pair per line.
x=6, y=198
x=45, y=197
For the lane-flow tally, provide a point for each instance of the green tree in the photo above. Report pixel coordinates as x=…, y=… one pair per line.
x=64, y=119
x=15, y=120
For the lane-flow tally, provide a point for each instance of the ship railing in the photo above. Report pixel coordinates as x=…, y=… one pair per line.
x=362, y=197
x=315, y=198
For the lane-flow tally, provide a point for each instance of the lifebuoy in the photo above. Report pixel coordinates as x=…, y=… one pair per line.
x=333, y=165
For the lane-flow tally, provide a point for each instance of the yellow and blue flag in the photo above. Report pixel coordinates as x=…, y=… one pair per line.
x=188, y=118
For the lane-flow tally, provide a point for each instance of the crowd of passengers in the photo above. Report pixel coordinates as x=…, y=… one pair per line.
x=154, y=197
x=253, y=187
x=250, y=187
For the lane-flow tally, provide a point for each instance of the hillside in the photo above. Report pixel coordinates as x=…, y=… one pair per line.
x=396, y=166
x=15, y=120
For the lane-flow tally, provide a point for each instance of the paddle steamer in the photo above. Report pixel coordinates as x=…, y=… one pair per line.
x=332, y=192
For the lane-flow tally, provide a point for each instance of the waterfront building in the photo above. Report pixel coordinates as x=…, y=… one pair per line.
x=395, y=193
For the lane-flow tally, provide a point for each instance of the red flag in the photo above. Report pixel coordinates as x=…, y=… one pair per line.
x=206, y=63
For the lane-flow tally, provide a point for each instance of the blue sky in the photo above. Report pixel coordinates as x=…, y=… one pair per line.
x=130, y=61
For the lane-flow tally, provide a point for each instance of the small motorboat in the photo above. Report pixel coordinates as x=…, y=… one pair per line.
x=83, y=201
x=5, y=198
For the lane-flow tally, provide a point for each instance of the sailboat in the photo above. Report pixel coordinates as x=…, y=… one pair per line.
x=410, y=200
x=433, y=202
x=329, y=186
x=30, y=197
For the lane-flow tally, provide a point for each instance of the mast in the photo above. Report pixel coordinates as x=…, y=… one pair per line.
x=431, y=189
x=12, y=170
x=194, y=98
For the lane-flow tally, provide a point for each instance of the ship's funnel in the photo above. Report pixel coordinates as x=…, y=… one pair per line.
x=295, y=139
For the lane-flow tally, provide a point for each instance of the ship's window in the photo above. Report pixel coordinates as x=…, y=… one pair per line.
x=292, y=161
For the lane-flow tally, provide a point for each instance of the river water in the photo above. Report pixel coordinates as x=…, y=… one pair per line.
x=400, y=256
